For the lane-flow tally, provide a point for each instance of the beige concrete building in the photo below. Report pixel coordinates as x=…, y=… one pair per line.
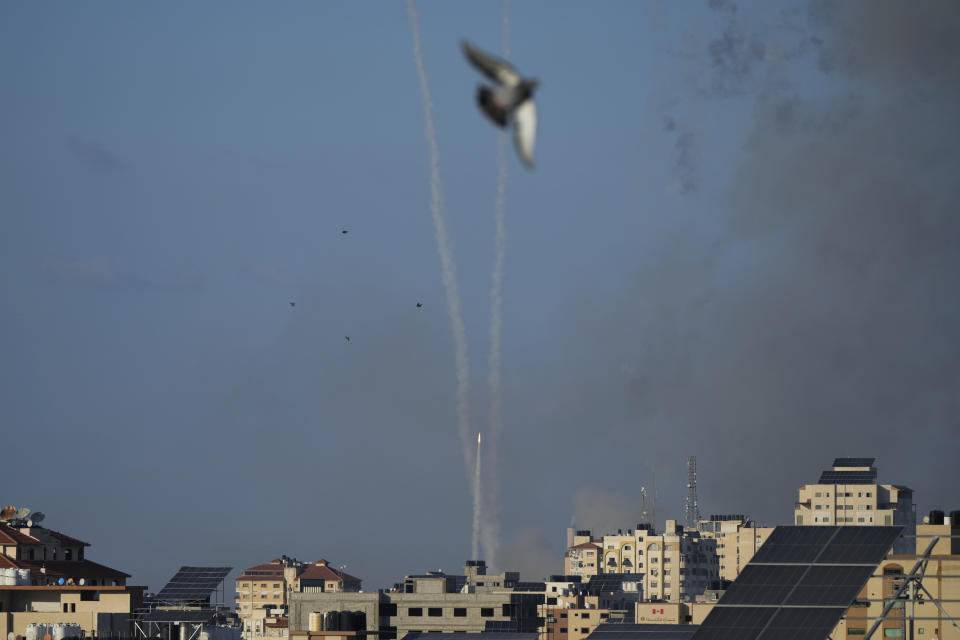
x=848, y=494
x=910, y=617
x=57, y=584
x=263, y=592
x=738, y=538
x=435, y=601
x=676, y=565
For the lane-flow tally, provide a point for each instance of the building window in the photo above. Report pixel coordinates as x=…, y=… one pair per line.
x=817, y=495
x=563, y=616
x=818, y=507
x=460, y=612
x=486, y=612
x=826, y=518
x=585, y=615
x=563, y=629
x=276, y=585
x=415, y=611
x=435, y=612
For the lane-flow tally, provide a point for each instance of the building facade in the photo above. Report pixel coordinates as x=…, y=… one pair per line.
x=56, y=583
x=676, y=565
x=849, y=494
x=930, y=611
x=738, y=538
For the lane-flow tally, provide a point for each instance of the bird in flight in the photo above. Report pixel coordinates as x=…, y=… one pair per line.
x=293, y=304
x=347, y=338
x=510, y=99
x=419, y=305
x=344, y=232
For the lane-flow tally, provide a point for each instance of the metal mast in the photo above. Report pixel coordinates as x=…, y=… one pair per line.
x=691, y=513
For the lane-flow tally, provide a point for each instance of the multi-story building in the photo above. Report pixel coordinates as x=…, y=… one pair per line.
x=435, y=601
x=261, y=596
x=582, y=557
x=848, y=494
x=55, y=583
x=930, y=611
x=263, y=592
x=738, y=538
x=676, y=565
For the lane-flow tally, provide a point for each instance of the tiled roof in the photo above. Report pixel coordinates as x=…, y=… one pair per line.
x=7, y=563
x=65, y=539
x=73, y=569
x=323, y=572
x=585, y=545
x=9, y=535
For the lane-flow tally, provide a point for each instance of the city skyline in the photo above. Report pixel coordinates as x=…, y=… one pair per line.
x=738, y=243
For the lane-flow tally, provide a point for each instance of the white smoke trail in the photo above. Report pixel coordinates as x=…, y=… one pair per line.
x=477, y=507
x=449, y=272
x=491, y=529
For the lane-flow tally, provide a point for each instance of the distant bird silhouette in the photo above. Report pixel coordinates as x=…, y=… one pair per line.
x=344, y=232
x=419, y=305
x=293, y=304
x=347, y=338
x=510, y=99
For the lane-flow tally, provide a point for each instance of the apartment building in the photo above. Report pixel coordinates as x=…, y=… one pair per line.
x=676, y=565
x=56, y=583
x=738, y=538
x=929, y=608
x=849, y=494
x=431, y=602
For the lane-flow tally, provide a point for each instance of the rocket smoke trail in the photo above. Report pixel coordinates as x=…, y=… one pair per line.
x=491, y=531
x=477, y=507
x=449, y=272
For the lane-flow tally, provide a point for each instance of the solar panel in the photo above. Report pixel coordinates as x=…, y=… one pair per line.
x=793, y=544
x=798, y=585
x=849, y=477
x=650, y=631
x=853, y=462
x=500, y=625
x=763, y=584
x=193, y=583
x=734, y=623
x=853, y=545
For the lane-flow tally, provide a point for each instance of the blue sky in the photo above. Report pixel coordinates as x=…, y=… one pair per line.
x=736, y=244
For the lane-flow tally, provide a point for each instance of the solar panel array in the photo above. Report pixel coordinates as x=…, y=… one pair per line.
x=798, y=584
x=500, y=625
x=853, y=462
x=650, y=631
x=193, y=583
x=849, y=477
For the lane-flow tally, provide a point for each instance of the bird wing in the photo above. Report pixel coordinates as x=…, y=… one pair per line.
x=495, y=68
x=525, y=130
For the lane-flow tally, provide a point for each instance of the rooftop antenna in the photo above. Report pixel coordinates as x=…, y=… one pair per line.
x=38, y=517
x=644, y=514
x=8, y=512
x=691, y=512
x=22, y=513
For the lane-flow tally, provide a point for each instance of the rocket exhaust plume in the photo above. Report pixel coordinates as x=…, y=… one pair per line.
x=449, y=272
x=491, y=531
x=477, y=506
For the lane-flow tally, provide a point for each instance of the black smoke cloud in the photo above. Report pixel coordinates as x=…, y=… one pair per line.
x=823, y=319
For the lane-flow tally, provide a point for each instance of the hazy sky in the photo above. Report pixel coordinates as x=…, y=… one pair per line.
x=740, y=242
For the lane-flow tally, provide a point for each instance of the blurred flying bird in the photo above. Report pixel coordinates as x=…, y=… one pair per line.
x=293, y=304
x=419, y=304
x=510, y=99
x=344, y=232
x=347, y=338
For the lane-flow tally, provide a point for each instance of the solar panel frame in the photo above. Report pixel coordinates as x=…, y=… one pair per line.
x=848, y=477
x=193, y=583
x=853, y=462
x=828, y=565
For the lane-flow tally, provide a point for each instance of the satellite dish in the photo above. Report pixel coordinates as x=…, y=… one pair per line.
x=38, y=517
x=61, y=581
x=8, y=512
x=23, y=512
